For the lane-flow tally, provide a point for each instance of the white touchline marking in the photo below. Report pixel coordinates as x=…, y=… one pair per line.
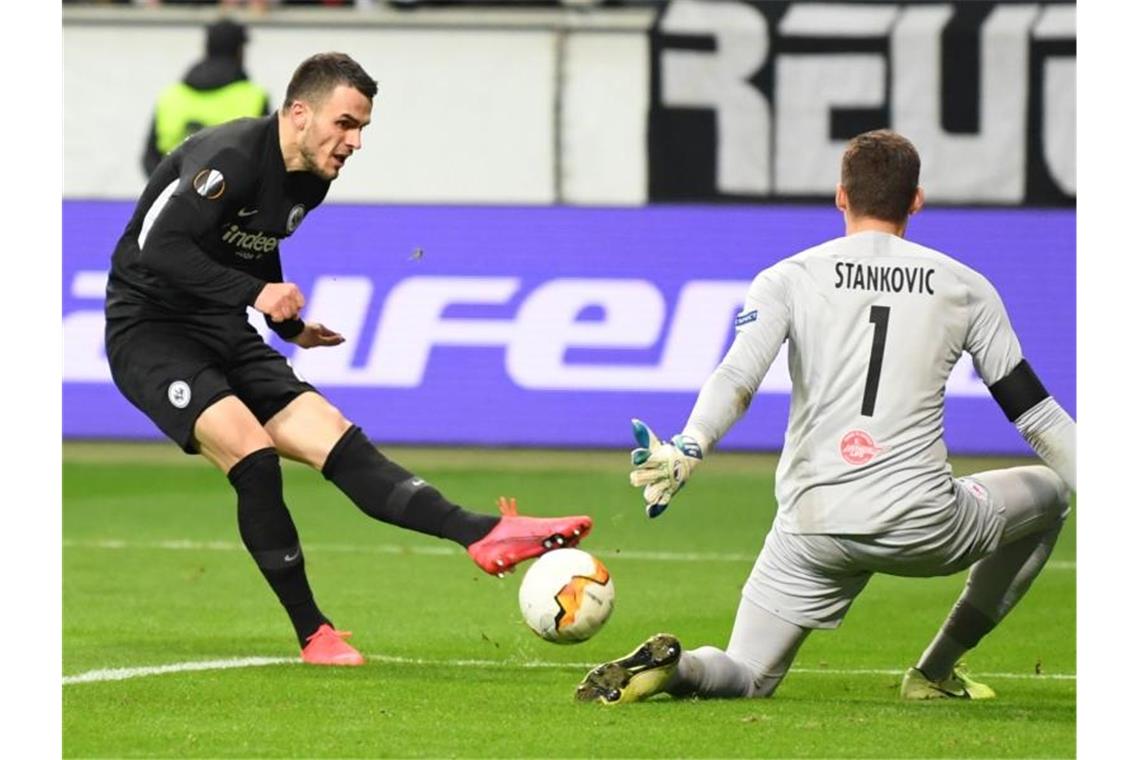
x=438, y=551
x=123, y=674
x=394, y=659
x=889, y=672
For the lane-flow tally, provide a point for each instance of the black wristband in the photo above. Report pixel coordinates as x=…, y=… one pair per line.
x=287, y=329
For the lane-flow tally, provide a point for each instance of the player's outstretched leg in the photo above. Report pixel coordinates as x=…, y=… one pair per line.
x=760, y=651
x=1036, y=502
x=759, y=654
x=645, y=671
x=268, y=532
x=515, y=538
x=387, y=492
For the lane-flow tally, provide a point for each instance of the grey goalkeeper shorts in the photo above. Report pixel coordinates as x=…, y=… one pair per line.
x=811, y=579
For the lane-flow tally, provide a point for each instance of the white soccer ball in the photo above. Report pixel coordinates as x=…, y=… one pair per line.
x=566, y=596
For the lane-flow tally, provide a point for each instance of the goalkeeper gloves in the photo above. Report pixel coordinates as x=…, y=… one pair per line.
x=662, y=468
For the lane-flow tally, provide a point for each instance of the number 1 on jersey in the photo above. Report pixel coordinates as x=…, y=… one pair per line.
x=880, y=315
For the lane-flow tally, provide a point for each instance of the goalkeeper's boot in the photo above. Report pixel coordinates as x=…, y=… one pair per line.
x=958, y=685
x=516, y=538
x=639, y=675
x=328, y=647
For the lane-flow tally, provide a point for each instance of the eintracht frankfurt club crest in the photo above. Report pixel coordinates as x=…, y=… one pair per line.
x=179, y=394
x=296, y=214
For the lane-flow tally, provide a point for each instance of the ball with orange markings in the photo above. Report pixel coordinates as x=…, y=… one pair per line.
x=566, y=596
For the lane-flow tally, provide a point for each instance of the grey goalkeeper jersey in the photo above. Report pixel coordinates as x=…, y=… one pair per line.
x=874, y=325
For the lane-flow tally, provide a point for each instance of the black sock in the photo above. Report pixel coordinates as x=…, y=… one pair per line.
x=387, y=492
x=268, y=533
x=966, y=624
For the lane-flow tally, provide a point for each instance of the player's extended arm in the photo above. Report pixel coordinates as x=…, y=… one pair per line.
x=315, y=334
x=661, y=469
x=761, y=329
x=997, y=356
x=1040, y=419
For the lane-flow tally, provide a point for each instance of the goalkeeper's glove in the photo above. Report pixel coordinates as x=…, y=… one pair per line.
x=662, y=468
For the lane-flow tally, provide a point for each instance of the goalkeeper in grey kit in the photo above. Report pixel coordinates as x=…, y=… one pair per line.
x=875, y=324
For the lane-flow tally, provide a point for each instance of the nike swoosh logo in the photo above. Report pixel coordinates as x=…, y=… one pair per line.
x=247, y=212
x=417, y=482
x=293, y=556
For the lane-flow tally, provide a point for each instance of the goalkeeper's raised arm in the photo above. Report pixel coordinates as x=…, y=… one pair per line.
x=761, y=327
x=661, y=469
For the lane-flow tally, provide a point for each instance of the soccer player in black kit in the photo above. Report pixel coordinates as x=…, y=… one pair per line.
x=202, y=246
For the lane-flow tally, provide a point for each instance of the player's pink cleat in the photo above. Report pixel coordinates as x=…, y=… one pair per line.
x=516, y=538
x=327, y=647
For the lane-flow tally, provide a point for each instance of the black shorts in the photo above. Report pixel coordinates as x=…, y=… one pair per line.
x=173, y=371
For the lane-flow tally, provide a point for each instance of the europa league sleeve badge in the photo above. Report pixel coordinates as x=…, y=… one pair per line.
x=210, y=184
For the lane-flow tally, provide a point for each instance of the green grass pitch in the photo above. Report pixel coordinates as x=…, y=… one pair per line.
x=154, y=575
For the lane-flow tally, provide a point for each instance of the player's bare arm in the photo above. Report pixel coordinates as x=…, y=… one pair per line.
x=315, y=334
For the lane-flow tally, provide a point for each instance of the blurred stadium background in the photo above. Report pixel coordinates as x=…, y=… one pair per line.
x=554, y=218
x=592, y=185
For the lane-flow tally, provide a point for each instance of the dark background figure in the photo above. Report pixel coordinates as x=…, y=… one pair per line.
x=214, y=90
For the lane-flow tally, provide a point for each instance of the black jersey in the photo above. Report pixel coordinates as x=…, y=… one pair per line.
x=204, y=236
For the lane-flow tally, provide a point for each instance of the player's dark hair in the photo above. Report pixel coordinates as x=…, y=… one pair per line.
x=318, y=76
x=880, y=175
